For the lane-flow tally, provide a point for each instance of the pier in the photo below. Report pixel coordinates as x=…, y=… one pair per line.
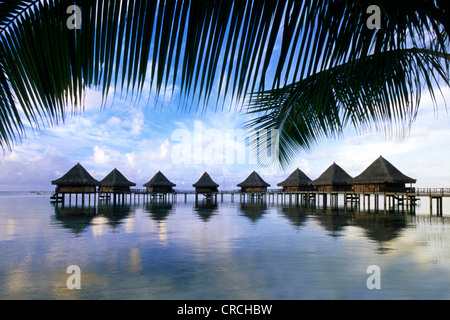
x=360, y=201
x=381, y=187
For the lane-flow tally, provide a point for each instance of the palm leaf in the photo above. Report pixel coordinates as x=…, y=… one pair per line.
x=205, y=47
x=380, y=92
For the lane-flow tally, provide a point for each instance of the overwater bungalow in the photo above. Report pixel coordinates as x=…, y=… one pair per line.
x=253, y=184
x=115, y=182
x=381, y=176
x=205, y=185
x=76, y=180
x=333, y=179
x=298, y=181
x=159, y=184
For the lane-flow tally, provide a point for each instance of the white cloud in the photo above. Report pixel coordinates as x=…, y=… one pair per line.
x=94, y=101
x=131, y=159
x=133, y=120
x=31, y=168
x=136, y=126
x=164, y=149
x=113, y=121
x=101, y=156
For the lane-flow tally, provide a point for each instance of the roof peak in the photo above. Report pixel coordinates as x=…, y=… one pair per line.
x=205, y=181
x=296, y=179
x=333, y=175
x=253, y=180
x=159, y=180
x=76, y=176
x=116, y=179
x=382, y=171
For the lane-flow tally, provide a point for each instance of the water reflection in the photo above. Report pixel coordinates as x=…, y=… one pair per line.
x=115, y=214
x=77, y=219
x=74, y=219
x=159, y=211
x=296, y=214
x=378, y=227
x=381, y=228
x=205, y=209
x=314, y=252
x=333, y=222
x=253, y=210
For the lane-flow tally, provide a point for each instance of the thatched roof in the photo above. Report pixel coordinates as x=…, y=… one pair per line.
x=296, y=179
x=205, y=181
x=159, y=180
x=116, y=179
x=77, y=176
x=382, y=171
x=253, y=180
x=334, y=176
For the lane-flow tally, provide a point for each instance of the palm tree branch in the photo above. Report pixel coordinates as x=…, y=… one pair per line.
x=380, y=92
x=194, y=44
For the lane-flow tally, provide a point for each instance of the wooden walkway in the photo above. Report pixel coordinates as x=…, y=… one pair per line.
x=382, y=201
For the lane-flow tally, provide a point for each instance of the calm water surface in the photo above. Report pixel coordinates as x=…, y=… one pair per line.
x=223, y=251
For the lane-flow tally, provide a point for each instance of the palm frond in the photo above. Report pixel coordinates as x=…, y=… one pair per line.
x=35, y=85
x=47, y=66
x=214, y=47
x=380, y=92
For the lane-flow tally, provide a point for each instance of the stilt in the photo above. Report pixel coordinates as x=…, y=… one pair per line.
x=364, y=202
x=345, y=202
x=431, y=206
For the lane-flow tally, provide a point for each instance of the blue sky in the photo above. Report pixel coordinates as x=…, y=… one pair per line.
x=139, y=139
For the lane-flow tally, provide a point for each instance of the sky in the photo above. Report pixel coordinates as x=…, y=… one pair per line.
x=139, y=138
x=142, y=136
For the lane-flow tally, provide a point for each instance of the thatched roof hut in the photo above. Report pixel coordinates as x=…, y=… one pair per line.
x=115, y=181
x=381, y=176
x=159, y=184
x=205, y=184
x=333, y=179
x=297, y=181
x=76, y=180
x=253, y=183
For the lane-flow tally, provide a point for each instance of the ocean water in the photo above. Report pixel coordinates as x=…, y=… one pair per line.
x=224, y=250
